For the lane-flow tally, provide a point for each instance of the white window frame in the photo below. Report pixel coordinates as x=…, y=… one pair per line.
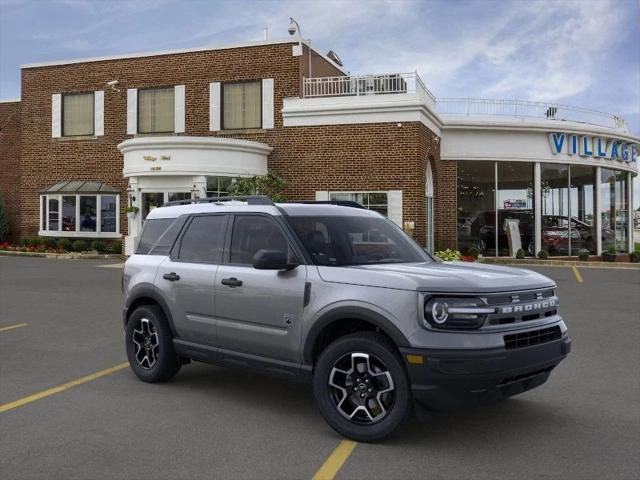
x=386, y=192
x=77, y=233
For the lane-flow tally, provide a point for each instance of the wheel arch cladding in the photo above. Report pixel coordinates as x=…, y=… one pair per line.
x=147, y=295
x=344, y=320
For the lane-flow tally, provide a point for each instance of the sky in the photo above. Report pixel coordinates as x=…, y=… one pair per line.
x=577, y=52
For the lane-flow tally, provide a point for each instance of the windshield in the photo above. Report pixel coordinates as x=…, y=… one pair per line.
x=342, y=241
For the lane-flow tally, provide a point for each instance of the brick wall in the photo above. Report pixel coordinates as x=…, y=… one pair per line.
x=338, y=157
x=10, y=162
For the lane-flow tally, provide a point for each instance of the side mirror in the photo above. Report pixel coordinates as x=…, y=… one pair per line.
x=272, y=260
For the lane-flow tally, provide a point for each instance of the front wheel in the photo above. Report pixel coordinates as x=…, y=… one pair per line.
x=149, y=345
x=361, y=387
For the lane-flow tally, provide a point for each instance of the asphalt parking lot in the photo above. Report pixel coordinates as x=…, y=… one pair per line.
x=210, y=422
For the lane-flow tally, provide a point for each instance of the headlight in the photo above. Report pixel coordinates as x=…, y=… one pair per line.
x=456, y=312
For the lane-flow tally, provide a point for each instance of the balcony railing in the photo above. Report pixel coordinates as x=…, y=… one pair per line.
x=392, y=83
x=525, y=109
x=399, y=83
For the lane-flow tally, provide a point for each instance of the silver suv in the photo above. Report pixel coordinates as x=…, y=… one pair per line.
x=339, y=296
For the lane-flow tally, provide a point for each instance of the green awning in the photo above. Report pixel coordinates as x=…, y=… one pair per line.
x=80, y=186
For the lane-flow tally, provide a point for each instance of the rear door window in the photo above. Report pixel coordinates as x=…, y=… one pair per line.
x=203, y=240
x=152, y=231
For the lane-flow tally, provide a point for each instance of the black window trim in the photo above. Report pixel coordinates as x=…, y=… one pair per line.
x=280, y=223
x=222, y=85
x=93, y=124
x=174, y=254
x=161, y=87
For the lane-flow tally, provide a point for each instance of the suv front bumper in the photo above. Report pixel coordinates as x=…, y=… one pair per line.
x=454, y=379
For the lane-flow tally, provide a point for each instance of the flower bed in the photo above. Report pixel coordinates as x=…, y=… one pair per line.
x=63, y=245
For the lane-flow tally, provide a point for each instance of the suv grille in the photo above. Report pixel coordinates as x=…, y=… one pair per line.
x=534, y=337
x=522, y=306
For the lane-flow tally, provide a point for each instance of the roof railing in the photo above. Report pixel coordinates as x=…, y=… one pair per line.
x=248, y=199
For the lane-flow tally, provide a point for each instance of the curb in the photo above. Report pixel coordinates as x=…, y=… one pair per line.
x=63, y=256
x=561, y=263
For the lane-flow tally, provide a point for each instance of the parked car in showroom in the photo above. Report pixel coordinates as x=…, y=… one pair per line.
x=339, y=296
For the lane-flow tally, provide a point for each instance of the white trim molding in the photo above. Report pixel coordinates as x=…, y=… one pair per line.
x=268, y=107
x=183, y=155
x=393, y=108
x=98, y=118
x=179, y=109
x=56, y=115
x=214, y=106
x=132, y=111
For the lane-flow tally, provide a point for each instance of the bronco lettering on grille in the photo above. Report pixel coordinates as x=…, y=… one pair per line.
x=528, y=307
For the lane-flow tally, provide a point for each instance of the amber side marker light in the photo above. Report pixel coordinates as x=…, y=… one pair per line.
x=415, y=359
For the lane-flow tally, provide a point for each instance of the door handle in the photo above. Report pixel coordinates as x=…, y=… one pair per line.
x=232, y=282
x=172, y=277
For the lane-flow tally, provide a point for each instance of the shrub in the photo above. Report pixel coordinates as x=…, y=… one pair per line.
x=50, y=243
x=473, y=252
x=543, y=254
x=98, y=246
x=448, y=255
x=80, y=246
x=65, y=244
x=635, y=256
x=114, y=247
x=520, y=253
x=583, y=255
x=612, y=250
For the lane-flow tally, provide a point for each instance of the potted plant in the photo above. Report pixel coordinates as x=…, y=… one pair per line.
x=131, y=212
x=583, y=255
x=520, y=254
x=635, y=256
x=543, y=254
x=610, y=255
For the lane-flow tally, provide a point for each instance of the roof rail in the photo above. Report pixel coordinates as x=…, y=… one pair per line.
x=342, y=203
x=250, y=199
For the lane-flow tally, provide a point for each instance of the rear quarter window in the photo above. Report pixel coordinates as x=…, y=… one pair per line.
x=151, y=233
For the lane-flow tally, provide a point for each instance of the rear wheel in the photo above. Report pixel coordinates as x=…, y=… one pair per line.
x=149, y=345
x=361, y=387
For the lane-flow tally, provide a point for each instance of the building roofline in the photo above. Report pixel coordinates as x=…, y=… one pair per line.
x=171, y=52
x=9, y=100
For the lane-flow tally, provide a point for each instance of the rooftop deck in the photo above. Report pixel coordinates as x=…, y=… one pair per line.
x=410, y=83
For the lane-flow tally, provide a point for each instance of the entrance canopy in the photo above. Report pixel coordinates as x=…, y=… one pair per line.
x=80, y=186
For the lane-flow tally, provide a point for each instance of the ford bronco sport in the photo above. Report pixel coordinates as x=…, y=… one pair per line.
x=340, y=296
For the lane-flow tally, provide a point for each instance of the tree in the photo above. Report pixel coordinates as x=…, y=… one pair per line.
x=270, y=185
x=4, y=223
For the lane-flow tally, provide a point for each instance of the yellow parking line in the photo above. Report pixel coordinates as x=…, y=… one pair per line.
x=577, y=274
x=11, y=327
x=61, y=388
x=332, y=465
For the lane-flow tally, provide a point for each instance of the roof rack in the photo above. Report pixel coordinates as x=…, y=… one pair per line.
x=250, y=199
x=342, y=203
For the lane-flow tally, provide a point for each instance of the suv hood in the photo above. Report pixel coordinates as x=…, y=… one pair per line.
x=456, y=277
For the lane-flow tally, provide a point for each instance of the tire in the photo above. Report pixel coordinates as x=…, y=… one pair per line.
x=149, y=345
x=339, y=393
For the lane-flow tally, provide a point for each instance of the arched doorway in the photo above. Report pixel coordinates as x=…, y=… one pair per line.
x=429, y=208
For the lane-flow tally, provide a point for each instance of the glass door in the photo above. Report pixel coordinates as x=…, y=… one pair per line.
x=151, y=200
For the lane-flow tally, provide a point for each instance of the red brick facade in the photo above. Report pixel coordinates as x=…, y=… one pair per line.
x=382, y=156
x=10, y=163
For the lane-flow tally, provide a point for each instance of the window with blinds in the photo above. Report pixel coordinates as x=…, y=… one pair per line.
x=78, y=114
x=156, y=110
x=242, y=105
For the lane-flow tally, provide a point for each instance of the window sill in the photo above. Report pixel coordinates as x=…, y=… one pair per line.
x=76, y=138
x=241, y=130
x=157, y=134
x=47, y=233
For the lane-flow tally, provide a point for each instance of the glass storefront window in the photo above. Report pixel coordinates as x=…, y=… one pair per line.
x=108, y=213
x=69, y=213
x=615, y=210
x=515, y=206
x=53, y=213
x=554, y=198
x=174, y=196
x=88, y=214
x=582, y=209
x=476, y=206
x=218, y=186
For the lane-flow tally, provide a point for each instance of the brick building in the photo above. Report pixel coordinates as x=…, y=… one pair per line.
x=91, y=137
